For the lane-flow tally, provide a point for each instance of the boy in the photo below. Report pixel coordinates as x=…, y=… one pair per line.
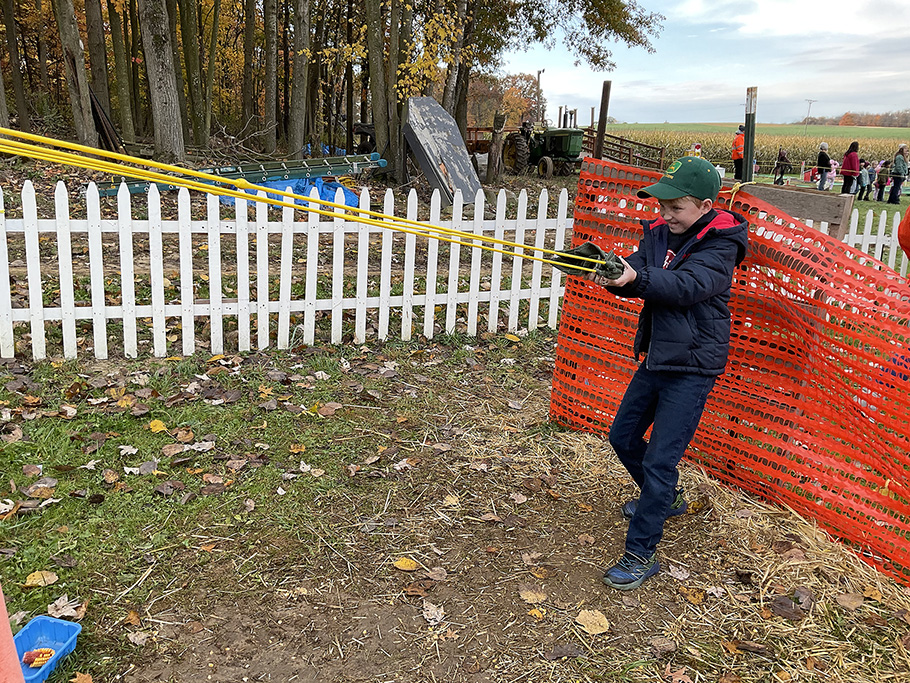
x=682, y=271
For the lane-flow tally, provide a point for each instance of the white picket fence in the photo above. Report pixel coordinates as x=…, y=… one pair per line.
x=461, y=286
x=876, y=238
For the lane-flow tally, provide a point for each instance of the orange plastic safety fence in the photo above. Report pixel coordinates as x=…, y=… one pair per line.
x=813, y=410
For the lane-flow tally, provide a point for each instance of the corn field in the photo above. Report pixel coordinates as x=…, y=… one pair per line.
x=716, y=146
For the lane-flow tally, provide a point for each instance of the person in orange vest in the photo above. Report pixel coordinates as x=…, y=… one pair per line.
x=739, y=145
x=10, y=669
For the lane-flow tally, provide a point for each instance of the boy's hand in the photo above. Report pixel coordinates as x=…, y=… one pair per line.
x=628, y=275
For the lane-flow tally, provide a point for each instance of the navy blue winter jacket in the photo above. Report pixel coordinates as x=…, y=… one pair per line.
x=684, y=325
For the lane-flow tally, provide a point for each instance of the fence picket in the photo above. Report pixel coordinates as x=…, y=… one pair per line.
x=537, y=267
x=262, y=273
x=127, y=278
x=285, y=275
x=216, y=295
x=363, y=272
x=312, y=273
x=454, y=261
x=185, y=248
x=65, y=268
x=242, y=240
x=156, y=269
x=429, y=309
x=410, y=259
x=476, y=263
x=560, y=241
x=517, y=262
x=96, y=270
x=496, y=268
x=7, y=343
x=385, y=277
x=337, y=270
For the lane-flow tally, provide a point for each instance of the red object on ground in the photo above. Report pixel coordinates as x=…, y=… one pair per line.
x=10, y=669
x=903, y=233
x=813, y=410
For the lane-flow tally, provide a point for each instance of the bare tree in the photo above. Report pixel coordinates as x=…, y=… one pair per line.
x=249, y=46
x=159, y=58
x=189, y=33
x=4, y=112
x=301, y=84
x=121, y=69
x=97, y=52
x=12, y=40
x=269, y=120
x=76, y=77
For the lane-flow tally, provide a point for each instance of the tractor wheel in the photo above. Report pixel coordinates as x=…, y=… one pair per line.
x=515, y=153
x=545, y=168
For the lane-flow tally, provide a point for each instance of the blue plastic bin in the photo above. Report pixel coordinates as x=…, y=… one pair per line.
x=45, y=631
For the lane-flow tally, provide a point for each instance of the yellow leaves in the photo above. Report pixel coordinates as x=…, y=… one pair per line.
x=81, y=678
x=157, y=426
x=40, y=579
x=406, y=564
x=297, y=448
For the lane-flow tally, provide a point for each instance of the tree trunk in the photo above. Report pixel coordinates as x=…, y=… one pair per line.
x=210, y=72
x=178, y=69
x=269, y=134
x=12, y=44
x=97, y=52
x=461, y=100
x=494, y=158
x=316, y=82
x=4, y=112
x=131, y=35
x=282, y=113
x=159, y=58
x=349, y=83
x=301, y=85
x=375, y=30
x=391, y=74
x=189, y=33
x=249, y=46
x=448, y=96
x=42, y=53
x=121, y=69
x=76, y=77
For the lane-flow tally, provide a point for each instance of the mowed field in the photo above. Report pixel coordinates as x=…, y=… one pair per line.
x=801, y=142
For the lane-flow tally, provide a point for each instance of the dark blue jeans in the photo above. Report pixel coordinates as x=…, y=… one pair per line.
x=673, y=403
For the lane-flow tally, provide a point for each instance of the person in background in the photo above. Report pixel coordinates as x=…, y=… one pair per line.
x=823, y=165
x=865, y=184
x=739, y=151
x=782, y=167
x=881, y=180
x=850, y=168
x=898, y=174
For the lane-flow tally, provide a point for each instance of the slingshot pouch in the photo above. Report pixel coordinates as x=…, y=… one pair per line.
x=606, y=265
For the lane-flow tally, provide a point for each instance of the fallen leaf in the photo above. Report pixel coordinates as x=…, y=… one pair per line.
x=679, y=573
x=490, y=517
x=157, y=426
x=694, y=595
x=562, y=650
x=532, y=594
x=678, y=676
x=172, y=449
x=139, y=638
x=750, y=646
x=518, y=498
x=592, y=622
x=850, y=601
x=784, y=607
x=450, y=501
x=132, y=618
x=32, y=470
x=729, y=677
x=872, y=593
x=437, y=574
x=662, y=646
x=329, y=409
x=63, y=607
x=40, y=578
x=81, y=678
x=434, y=614
x=406, y=564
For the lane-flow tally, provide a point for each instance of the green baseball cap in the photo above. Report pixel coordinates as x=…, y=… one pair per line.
x=689, y=176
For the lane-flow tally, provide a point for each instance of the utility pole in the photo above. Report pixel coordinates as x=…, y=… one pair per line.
x=806, y=127
x=749, y=141
x=539, y=95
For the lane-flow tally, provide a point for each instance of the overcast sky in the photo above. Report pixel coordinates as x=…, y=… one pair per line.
x=849, y=55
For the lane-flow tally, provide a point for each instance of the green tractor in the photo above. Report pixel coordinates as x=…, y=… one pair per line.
x=552, y=151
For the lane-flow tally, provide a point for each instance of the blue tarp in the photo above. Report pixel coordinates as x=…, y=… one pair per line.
x=303, y=186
